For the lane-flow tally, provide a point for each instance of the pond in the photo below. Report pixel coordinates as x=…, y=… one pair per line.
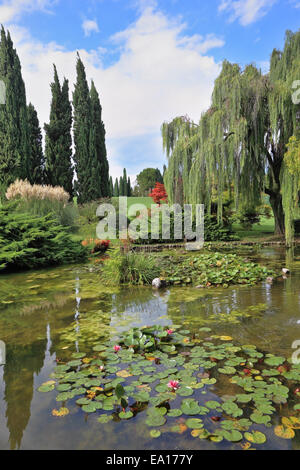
x=47, y=315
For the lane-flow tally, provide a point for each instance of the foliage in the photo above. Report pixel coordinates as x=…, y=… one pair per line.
x=27, y=241
x=26, y=191
x=89, y=138
x=14, y=132
x=157, y=374
x=291, y=186
x=240, y=139
x=36, y=163
x=248, y=217
x=42, y=200
x=159, y=194
x=129, y=268
x=146, y=181
x=210, y=270
x=58, y=148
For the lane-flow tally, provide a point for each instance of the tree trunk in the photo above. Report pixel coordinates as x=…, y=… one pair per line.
x=276, y=204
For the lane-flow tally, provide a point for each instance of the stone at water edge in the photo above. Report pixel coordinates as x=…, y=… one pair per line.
x=285, y=271
x=269, y=280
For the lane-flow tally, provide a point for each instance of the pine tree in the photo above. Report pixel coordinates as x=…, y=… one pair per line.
x=58, y=149
x=14, y=135
x=82, y=127
x=97, y=148
x=36, y=162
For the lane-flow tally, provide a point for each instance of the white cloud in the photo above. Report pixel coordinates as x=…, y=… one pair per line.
x=160, y=74
x=10, y=10
x=246, y=11
x=89, y=27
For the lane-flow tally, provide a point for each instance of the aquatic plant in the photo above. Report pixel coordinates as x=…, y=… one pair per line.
x=168, y=383
x=129, y=268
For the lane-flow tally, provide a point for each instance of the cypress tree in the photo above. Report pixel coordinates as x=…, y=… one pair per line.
x=36, y=165
x=116, y=188
x=82, y=127
x=121, y=186
x=125, y=187
x=129, y=188
x=99, y=165
x=58, y=150
x=111, y=187
x=14, y=134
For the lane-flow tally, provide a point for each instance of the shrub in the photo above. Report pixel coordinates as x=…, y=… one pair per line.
x=27, y=241
x=42, y=200
x=248, y=217
x=130, y=268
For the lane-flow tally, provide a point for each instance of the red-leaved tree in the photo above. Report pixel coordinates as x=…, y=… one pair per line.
x=159, y=194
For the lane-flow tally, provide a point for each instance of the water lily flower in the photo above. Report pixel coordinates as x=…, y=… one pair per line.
x=170, y=332
x=174, y=385
x=117, y=348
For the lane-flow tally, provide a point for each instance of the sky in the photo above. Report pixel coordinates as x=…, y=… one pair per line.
x=151, y=60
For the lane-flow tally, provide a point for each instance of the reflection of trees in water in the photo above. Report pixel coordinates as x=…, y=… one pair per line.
x=138, y=306
x=21, y=365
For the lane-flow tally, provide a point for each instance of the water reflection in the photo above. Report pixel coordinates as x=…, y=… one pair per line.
x=46, y=315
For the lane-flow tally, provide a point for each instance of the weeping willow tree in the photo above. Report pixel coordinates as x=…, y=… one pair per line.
x=291, y=186
x=241, y=140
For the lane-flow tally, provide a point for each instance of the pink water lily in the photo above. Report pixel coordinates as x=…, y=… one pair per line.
x=117, y=348
x=170, y=332
x=174, y=385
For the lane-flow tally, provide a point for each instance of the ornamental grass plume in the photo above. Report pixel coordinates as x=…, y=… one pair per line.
x=26, y=191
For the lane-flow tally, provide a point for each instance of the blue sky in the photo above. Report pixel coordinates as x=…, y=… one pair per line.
x=151, y=60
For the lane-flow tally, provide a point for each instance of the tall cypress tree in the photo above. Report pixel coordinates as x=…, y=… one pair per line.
x=129, y=188
x=36, y=163
x=116, y=188
x=100, y=167
x=58, y=150
x=82, y=127
x=14, y=135
x=111, y=187
x=121, y=186
x=125, y=191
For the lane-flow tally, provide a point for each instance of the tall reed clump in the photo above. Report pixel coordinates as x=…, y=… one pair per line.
x=130, y=268
x=41, y=200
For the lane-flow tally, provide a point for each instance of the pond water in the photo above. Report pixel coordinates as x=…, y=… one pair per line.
x=47, y=315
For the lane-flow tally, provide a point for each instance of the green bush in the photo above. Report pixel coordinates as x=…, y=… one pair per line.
x=212, y=232
x=130, y=268
x=64, y=214
x=28, y=241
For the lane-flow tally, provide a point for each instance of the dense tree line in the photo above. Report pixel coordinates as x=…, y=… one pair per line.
x=84, y=174
x=122, y=186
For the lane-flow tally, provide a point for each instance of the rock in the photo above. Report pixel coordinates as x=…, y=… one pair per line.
x=269, y=280
x=157, y=283
x=285, y=271
x=200, y=287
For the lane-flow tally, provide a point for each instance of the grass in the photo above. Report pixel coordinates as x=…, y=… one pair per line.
x=146, y=201
x=264, y=230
